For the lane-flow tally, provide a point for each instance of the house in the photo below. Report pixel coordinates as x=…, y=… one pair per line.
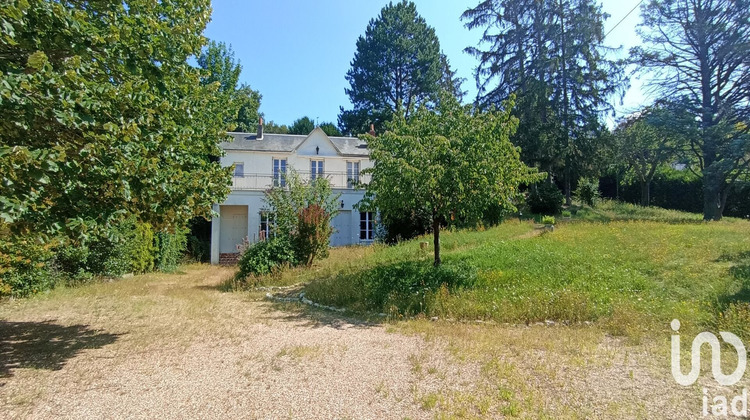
x=261, y=162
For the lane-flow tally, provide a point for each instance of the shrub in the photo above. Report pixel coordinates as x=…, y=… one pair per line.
x=25, y=266
x=313, y=235
x=72, y=263
x=169, y=250
x=264, y=257
x=566, y=213
x=587, y=191
x=141, y=249
x=548, y=220
x=545, y=198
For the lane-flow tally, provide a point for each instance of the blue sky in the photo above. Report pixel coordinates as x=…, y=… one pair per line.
x=296, y=53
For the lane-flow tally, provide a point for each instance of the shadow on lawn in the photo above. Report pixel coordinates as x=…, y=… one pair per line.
x=45, y=345
x=741, y=271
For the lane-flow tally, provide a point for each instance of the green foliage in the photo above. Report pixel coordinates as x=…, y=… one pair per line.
x=266, y=256
x=548, y=220
x=646, y=142
x=73, y=263
x=170, y=248
x=453, y=161
x=553, y=57
x=397, y=67
x=545, y=198
x=219, y=66
x=127, y=248
x=109, y=120
x=287, y=203
x=566, y=213
x=271, y=127
x=313, y=235
x=24, y=265
x=330, y=129
x=696, y=77
x=587, y=191
x=302, y=125
x=140, y=248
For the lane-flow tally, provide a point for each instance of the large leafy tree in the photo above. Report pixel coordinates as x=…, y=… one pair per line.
x=646, y=141
x=551, y=54
x=700, y=50
x=454, y=161
x=219, y=65
x=397, y=66
x=102, y=117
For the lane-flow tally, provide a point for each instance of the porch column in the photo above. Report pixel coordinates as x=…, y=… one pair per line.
x=215, y=234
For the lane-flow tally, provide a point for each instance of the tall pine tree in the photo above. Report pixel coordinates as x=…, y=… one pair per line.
x=551, y=53
x=397, y=67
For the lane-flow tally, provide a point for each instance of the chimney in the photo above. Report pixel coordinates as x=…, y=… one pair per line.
x=260, y=129
x=372, y=130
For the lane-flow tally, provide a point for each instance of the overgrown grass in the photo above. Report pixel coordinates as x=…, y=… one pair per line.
x=637, y=271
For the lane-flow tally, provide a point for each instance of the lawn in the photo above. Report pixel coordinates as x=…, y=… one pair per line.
x=628, y=268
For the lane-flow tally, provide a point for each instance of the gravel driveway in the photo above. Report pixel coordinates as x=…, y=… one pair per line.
x=174, y=346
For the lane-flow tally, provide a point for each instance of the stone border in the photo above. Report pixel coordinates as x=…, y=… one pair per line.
x=302, y=299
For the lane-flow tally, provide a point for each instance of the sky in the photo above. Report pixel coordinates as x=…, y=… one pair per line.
x=297, y=52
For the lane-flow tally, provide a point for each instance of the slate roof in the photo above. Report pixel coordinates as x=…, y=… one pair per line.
x=347, y=146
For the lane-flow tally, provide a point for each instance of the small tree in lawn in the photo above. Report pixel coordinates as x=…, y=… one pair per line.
x=453, y=160
x=313, y=234
x=302, y=213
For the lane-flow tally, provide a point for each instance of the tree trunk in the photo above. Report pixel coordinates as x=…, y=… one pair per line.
x=568, y=193
x=712, y=198
x=645, y=193
x=436, y=239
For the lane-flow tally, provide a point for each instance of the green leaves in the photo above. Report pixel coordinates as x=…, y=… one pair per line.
x=37, y=60
x=102, y=117
x=397, y=67
x=454, y=162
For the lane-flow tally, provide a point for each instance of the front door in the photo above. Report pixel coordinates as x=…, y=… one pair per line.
x=233, y=228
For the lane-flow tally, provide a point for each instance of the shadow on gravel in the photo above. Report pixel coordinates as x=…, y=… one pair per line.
x=307, y=316
x=45, y=345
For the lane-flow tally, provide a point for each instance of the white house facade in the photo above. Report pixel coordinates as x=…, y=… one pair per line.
x=261, y=162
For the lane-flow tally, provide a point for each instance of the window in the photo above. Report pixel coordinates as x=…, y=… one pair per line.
x=279, y=172
x=266, y=225
x=239, y=169
x=352, y=174
x=316, y=169
x=366, y=224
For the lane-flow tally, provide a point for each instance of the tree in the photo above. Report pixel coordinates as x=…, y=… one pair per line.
x=302, y=125
x=453, y=160
x=302, y=214
x=645, y=142
x=397, y=66
x=551, y=53
x=700, y=50
x=219, y=65
x=102, y=117
x=271, y=127
x=330, y=129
